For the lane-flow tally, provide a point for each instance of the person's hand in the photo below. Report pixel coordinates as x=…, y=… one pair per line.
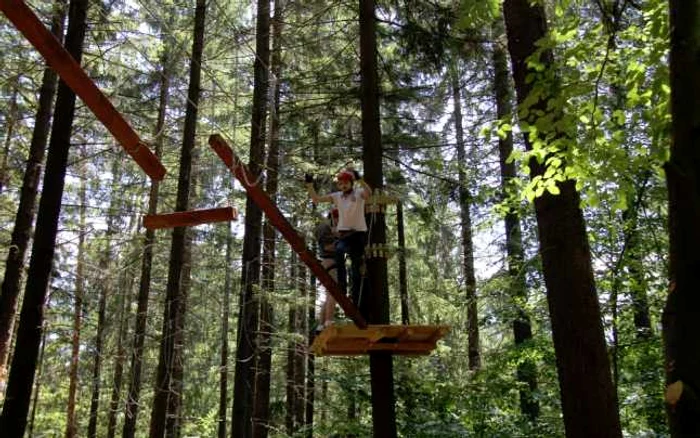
x=308, y=178
x=356, y=175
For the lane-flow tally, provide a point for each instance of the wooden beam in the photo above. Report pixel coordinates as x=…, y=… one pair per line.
x=257, y=194
x=189, y=218
x=75, y=77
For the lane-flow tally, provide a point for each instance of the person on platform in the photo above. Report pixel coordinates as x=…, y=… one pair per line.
x=350, y=200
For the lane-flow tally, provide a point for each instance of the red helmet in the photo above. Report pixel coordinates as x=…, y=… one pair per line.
x=345, y=175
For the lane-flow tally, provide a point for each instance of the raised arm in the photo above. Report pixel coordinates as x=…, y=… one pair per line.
x=315, y=197
x=367, y=192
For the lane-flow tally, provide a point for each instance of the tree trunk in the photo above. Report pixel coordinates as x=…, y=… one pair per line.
x=588, y=398
x=522, y=330
x=244, y=379
x=381, y=364
x=223, y=370
x=403, y=277
x=21, y=233
x=71, y=429
x=174, y=420
x=681, y=318
x=125, y=293
x=134, y=392
x=14, y=415
x=300, y=348
x=166, y=400
x=296, y=353
x=466, y=226
x=37, y=384
x=105, y=290
x=261, y=410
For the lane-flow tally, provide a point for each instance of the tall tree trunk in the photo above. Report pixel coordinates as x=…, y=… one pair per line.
x=225, y=315
x=244, y=379
x=403, y=276
x=681, y=319
x=381, y=364
x=134, y=391
x=300, y=348
x=71, y=428
x=105, y=289
x=308, y=357
x=522, y=330
x=289, y=370
x=125, y=294
x=21, y=233
x=466, y=226
x=173, y=422
x=14, y=414
x=295, y=388
x=174, y=309
x=261, y=410
x=37, y=384
x=588, y=398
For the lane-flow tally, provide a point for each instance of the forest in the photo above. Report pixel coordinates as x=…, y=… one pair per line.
x=535, y=176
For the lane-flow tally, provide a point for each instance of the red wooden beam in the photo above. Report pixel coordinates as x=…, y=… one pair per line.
x=75, y=77
x=277, y=219
x=189, y=218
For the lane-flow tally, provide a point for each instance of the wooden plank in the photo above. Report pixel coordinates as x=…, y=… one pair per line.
x=189, y=218
x=258, y=195
x=58, y=58
x=348, y=340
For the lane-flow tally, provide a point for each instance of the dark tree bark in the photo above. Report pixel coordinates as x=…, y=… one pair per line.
x=261, y=410
x=522, y=330
x=166, y=399
x=244, y=379
x=225, y=315
x=134, y=391
x=105, y=289
x=381, y=364
x=465, y=201
x=37, y=384
x=403, y=277
x=173, y=422
x=71, y=427
x=125, y=295
x=21, y=233
x=295, y=389
x=681, y=319
x=14, y=415
x=588, y=398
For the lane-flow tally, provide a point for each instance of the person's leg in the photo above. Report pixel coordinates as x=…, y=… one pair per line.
x=356, y=249
x=341, y=248
x=328, y=307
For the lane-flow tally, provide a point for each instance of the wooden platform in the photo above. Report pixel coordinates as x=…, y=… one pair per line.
x=407, y=340
x=189, y=218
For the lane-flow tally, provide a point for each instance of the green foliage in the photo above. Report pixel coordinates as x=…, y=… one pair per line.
x=611, y=107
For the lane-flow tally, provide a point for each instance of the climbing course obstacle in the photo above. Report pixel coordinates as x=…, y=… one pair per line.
x=189, y=218
x=75, y=77
x=341, y=339
x=249, y=182
x=407, y=340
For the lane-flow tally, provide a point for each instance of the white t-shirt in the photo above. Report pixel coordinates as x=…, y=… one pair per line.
x=351, y=210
